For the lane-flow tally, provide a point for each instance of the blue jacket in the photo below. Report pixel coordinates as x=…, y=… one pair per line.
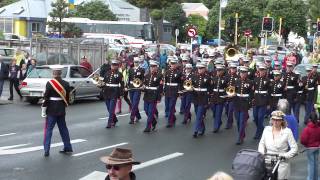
x=293, y=125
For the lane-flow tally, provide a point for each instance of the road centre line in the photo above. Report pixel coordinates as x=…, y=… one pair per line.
x=99, y=149
x=9, y=134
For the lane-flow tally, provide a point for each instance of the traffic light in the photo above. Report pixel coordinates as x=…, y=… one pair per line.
x=267, y=24
x=318, y=26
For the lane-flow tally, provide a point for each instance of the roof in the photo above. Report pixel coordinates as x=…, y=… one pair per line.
x=25, y=9
x=194, y=7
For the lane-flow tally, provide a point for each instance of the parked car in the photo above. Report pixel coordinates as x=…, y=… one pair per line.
x=33, y=87
x=6, y=54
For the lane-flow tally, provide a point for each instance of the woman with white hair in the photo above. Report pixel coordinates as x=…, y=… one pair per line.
x=278, y=139
x=292, y=123
x=221, y=176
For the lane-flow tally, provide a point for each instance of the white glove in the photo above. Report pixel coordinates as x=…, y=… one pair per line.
x=315, y=106
x=43, y=112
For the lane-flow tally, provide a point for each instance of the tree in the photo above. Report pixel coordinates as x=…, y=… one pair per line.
x=59, y=11
x=95, y=10
x=72, y=31
x=314, y=11
x=199, y=22
x=7, y=2
x=177, y=17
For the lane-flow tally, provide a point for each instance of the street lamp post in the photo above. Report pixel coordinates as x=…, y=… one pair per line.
x=220, y=12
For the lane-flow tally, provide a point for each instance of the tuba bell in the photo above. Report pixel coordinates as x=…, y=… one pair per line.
x=231, y=90
x=187, y=85
x=137, y=83
x=98, y=81
x=231, y=52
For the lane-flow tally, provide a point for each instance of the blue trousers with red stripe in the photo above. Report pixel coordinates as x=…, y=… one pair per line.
x=259, y=113
x=183, y=103
x=51, y=121
x=200, y=111
x=187, y=106
x=242, y=118
x=135, y=99
x=217, y=113
x=150, y=108
x=111, y=107
x=230, y=113
x=170, y=103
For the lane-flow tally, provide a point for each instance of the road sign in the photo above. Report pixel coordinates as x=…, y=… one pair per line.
x=192, y=32
x=177, y=32
x=248, y=32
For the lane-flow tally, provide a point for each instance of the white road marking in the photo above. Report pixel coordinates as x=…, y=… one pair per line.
x=13, y=146
x=98, y=175
x=9, y=134
x=121, y=115
x=8, y=151
x=99, y=149
x=156, y=161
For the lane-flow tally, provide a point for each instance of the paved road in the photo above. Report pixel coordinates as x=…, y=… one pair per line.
x=200, y=159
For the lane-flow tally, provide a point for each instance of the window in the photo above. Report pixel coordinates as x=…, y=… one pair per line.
x=35, y=27
x=79, y=72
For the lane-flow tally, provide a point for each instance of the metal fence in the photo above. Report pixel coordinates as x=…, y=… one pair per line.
x=63, y=51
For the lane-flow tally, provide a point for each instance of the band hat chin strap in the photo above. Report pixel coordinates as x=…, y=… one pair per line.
x=59, y=89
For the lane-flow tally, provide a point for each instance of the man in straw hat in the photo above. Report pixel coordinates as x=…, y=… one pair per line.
x=119, y=164
x=53, y=108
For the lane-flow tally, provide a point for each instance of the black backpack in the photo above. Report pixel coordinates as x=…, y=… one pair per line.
x=248, y=165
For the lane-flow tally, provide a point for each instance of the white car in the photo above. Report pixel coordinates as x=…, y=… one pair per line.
x=33, y=87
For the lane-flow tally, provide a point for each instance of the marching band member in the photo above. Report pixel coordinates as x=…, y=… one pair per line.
x=268, y=62
x=135, y=73
x=54, y=110
x=244, y=93
x=251, y=71
x=291, y=83
x=311, y=85
x=172, y=79
x=276, y=90
x=217, y=98
x=153, y=85
x=261, y=97
x=300, y=97
x=201, y=82
x=232, y=77
x=187, y=96
x=112, y=91
x=185, y=61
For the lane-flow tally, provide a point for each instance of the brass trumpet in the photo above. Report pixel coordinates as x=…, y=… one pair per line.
x=137, y=83
x=98, y=81
x=187, y=85
x=231, y=90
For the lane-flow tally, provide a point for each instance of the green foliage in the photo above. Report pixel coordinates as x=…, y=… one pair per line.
x=153, y=4
x=156, y=14
x=199, y=22
x=72, y=31
x=1, y=35
x=95, y=10
x=59, y=11
x=7, y=2
x=314, y=11
x=177, y=17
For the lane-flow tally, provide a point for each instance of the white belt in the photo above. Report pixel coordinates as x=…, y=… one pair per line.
x=55, y=99
x=113, y=85
x=200, y=89
x=151, y=88
x=218, y=90
x=300, y=92
x=312, y=88
x=290, y=87
x=276, y=95
x=172, y=84
x=243, y=95
x=261, y=92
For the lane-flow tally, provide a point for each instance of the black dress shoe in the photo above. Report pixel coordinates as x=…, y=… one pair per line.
x=169, y=126
x=181, y=112
x=239, y=142
x=154, y=125
x=216, y=131
x=68, y=152
x=46, y=154
x=108, y=127
x=202, y=133
x=195, y=134
x=184, y=122
x=10, y=98
x=131, y=122
x=146, y=130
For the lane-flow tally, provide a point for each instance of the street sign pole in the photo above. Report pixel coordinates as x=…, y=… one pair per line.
x=280, y=24
x=219, y=38
x=236, y=31
x=177, y=34
x=246, y=43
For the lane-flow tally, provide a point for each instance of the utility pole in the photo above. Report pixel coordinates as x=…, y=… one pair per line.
x=236, y=30
x=280, y=26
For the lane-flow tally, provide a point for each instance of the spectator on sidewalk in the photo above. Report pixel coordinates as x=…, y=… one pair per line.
x=310, y=138
x=86, y=63
x=119, y=164
x=292, y=123
x=33, y=64
x=14, y=76
x=3, y=74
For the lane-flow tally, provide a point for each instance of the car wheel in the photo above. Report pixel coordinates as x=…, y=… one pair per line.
x=72, y=98
x=33, y=100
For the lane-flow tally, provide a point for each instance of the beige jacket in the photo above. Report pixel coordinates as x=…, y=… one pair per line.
x=279, y=145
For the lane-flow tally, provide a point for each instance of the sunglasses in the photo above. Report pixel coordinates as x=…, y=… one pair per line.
x=115, y=167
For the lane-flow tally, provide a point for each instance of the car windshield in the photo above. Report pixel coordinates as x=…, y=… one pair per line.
x=45, y=72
